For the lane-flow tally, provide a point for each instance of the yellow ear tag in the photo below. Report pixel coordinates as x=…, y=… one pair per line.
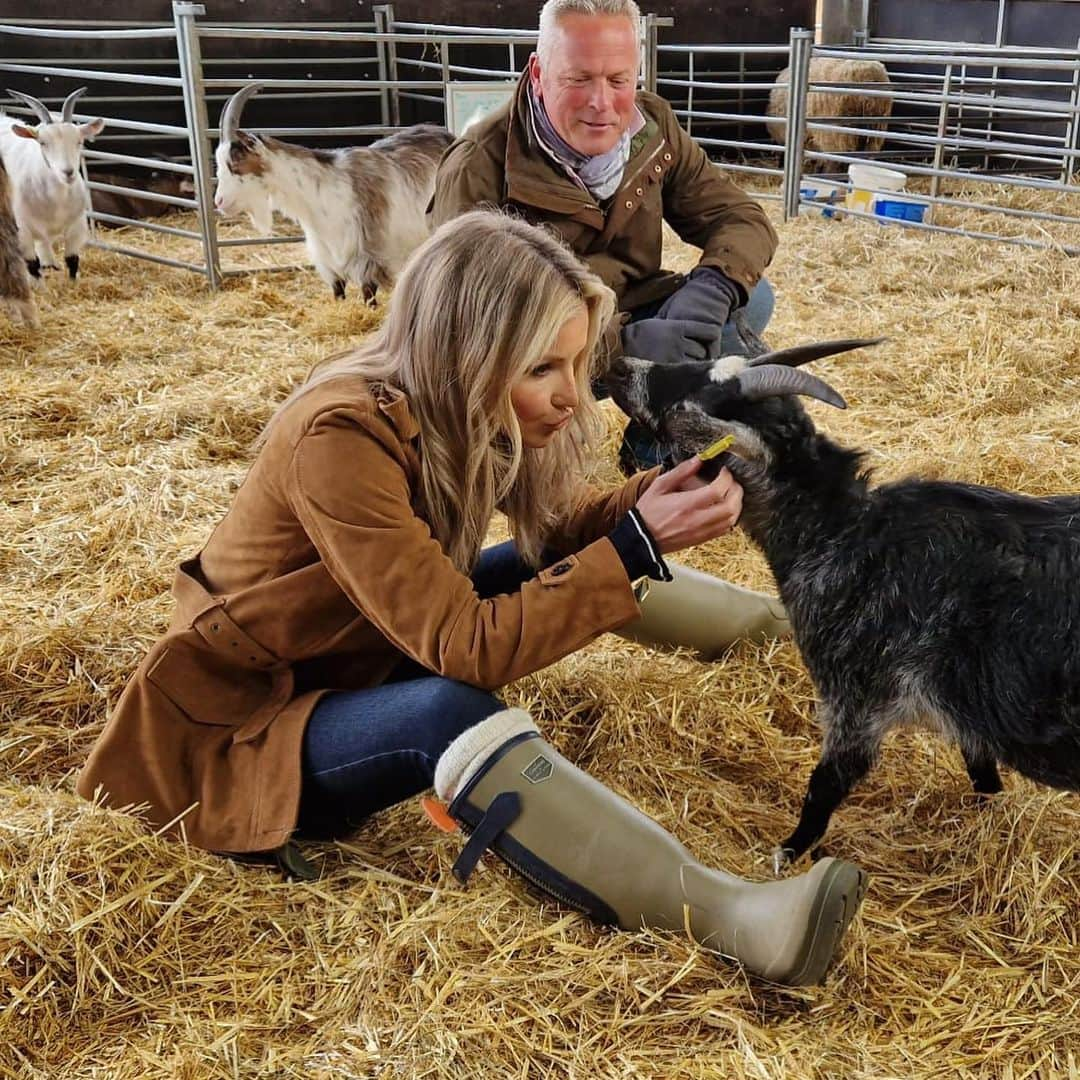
x=717, y=448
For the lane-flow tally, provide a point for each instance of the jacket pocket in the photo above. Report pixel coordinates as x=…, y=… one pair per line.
x=208, y=690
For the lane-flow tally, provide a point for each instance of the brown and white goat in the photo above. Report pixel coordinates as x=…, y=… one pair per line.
x=362, y=209
x=14, y=277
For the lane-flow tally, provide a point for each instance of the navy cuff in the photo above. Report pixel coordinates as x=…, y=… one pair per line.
x=637, y=549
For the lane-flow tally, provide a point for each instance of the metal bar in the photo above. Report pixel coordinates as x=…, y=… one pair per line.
x=180, y=264
x=690, y=97
x=128, y=159
x=84, y=73
x=379, y=11
x=323, y=84
x=650, y=53
x=802, y=43
x=141, y=223
x=150, y=196
x=1010, y=58
x=392, y=59
x=463, y=69
x=485, y=38
x=190, y=53
x=939, y=149
x=1072, y=129
x=249, y=241
x=82, y=35
x=445, y=28
x=1017, y=241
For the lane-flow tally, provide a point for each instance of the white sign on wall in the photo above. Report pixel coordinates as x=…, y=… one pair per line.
x=467, y=102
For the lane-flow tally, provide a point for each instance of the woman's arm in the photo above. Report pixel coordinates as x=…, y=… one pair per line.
x=598, y=511
x=350, y=491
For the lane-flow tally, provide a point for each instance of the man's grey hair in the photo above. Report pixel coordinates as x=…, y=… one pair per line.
x=554, y=10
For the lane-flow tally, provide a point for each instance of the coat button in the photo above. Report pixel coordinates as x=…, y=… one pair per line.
x=640, y=191
x=667, y=157
x=656, y=168
x=629, y=205
x=216, y=627
x=559, y=569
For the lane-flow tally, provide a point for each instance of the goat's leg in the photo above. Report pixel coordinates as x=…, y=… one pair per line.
x=833, y=777
x=75, y=239
x=339, y=289
x=368, y=291
x=982, y=768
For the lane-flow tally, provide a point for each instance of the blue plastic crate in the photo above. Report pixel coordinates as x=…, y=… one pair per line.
x=900, y=209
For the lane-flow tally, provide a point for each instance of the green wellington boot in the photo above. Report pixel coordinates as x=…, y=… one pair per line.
x=706, y=613
x=579, y=842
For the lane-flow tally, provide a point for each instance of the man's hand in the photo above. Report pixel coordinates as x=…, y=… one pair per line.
x=708, y=296
x=680, y=510
x=670, y=341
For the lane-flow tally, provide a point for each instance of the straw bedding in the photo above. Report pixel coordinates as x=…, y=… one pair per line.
x=126, y=427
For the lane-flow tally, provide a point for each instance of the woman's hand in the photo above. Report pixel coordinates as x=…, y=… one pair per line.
x=680, y=510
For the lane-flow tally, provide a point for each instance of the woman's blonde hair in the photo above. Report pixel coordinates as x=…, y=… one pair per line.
x=478, y=305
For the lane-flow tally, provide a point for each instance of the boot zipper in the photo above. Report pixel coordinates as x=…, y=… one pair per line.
x=544, y=886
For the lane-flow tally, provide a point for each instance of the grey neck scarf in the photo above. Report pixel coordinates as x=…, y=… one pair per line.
x=599, y=174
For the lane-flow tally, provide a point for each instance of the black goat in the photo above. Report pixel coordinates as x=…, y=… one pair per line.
x=951, y=604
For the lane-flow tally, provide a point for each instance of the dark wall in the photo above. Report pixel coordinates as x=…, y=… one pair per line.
x=1047, y=23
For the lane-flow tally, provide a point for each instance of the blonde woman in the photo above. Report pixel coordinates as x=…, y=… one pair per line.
x=337, y=643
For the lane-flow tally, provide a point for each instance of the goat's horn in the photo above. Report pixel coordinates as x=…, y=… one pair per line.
x=803, y=354
x=774, y=380
x=230, y=115
x=37, y=106
x=69, y=104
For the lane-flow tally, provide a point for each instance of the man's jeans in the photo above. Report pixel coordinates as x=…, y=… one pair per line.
x=639, y=449
x=365, y=750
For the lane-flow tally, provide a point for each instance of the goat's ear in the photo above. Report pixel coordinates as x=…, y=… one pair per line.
x=245, y=141
x=23, y=131
x=93, y=129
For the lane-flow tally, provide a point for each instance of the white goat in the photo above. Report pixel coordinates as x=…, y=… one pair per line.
x=362, y=209
x=851, y=108
x=49, y=196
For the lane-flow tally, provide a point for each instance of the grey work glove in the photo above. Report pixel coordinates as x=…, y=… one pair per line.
x=670, y=341
x=707, y=296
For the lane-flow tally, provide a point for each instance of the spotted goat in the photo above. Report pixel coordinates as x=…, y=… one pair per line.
x=945, y=604
x=362, y=209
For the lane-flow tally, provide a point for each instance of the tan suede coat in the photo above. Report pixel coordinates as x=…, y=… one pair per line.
x=321, y=576
x=668, y=177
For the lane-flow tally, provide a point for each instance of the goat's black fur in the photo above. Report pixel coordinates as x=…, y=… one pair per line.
x=949, y=603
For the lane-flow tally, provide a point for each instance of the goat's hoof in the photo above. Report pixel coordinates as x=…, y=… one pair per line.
x=781, y=860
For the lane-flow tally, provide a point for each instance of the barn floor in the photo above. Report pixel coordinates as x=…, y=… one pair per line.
x=126, y=427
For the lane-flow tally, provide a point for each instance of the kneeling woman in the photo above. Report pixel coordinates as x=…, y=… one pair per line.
x=336, y=644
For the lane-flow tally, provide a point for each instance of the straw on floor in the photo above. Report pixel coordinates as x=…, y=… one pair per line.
x=126, y=426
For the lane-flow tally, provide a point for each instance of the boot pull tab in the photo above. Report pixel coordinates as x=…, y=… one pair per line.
x=438, y=815
x=499, y=816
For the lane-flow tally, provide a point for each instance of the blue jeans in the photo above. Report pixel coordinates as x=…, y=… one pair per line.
x=639, y=449
x=365, y=750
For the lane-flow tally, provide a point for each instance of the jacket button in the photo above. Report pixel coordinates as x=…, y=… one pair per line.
x=629, y=205
x=640, y=191
x=559, y=569
x=667, y=157
x=657, y=168
x=216, y=627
